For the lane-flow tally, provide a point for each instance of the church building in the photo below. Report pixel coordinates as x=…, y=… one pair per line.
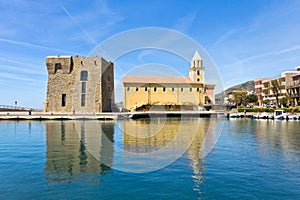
x=172, y=91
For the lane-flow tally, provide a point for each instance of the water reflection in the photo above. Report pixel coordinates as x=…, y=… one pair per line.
x=67, y=143
x=281, y=135
x=196, y=137
x=85, y=147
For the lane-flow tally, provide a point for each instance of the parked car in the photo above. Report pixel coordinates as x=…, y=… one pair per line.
x=270, y=105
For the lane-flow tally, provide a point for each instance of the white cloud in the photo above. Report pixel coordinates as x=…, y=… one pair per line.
x=26, y=44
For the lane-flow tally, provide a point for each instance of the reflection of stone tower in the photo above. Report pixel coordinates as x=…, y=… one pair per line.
x=77, y=147
x=197, y=70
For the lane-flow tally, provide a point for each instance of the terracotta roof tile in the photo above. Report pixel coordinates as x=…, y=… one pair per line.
x=159, y=79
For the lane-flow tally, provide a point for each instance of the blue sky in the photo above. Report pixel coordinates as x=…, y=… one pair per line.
x=245, y=39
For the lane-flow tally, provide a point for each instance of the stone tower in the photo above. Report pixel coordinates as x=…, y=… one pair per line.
x=197, y=70
x=79, y=84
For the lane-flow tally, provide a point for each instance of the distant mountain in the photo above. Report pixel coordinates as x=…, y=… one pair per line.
x=249, y=86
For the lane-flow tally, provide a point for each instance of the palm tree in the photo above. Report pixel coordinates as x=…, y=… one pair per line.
x=275, y=89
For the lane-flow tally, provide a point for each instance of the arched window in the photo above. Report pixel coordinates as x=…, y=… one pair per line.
x=84, y=76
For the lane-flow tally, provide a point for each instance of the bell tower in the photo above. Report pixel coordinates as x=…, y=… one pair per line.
x=197, y=70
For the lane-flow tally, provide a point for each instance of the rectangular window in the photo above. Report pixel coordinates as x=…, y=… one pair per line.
x=83, y=75
x=173, y=89
x=82, y=99
x=63, y=100
x=83, y=87
x=128, y=88
x=198, y=89
x=164, y=89
x=191, y=89
x=154, y=89
x=181, y=89
x=146, y=89
x=57, y=67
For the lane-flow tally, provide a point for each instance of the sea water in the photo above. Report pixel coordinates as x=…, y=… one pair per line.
x=183, y=158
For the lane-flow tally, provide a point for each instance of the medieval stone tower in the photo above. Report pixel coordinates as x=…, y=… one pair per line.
x=79, y=84
x=197, y=70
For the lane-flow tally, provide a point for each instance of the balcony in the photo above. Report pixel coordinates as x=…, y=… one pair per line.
x=293, y=84
x=258, y=86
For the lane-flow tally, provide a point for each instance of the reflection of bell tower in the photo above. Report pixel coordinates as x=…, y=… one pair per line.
x=197, y=70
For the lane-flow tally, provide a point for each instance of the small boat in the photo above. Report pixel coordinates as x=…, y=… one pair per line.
x=293, y=117
x=254, y=116
x=263, y=115
x=234, y=115
x=280, y=114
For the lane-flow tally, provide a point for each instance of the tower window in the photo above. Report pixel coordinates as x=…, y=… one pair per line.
x=95, y=62
x=198, y=79
x=173, y=89
x=84, y=76
x=63, y=100
x=136, y=88
x=108, y=78
x=198, y=72
x=128, y=88
x=191, y=89
x=146, y=89
x=154, y=89
x=82, y=100
x=164, y=89
x=198, y=89
x=57, y=67
x=83, y=87
x=181, y=89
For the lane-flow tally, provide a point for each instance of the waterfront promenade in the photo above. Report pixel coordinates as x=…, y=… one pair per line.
x=105, y=116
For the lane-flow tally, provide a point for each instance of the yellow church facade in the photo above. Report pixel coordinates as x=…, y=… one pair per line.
x=159, y=90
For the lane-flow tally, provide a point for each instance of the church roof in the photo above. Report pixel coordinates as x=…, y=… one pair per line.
x=196, y=56
x=160, y=80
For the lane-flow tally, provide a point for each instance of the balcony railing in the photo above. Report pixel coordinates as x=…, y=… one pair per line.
x=295, y=95
x=293, y=84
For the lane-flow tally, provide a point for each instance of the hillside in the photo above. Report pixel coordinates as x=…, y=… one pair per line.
x=249, y=86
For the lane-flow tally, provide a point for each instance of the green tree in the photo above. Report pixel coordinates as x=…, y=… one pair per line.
x=251, y=98
x=283, y=101
x=265, y=102
x=240, y=98
x=275, y=89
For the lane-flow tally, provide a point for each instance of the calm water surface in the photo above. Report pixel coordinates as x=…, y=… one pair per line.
x=100, y=160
